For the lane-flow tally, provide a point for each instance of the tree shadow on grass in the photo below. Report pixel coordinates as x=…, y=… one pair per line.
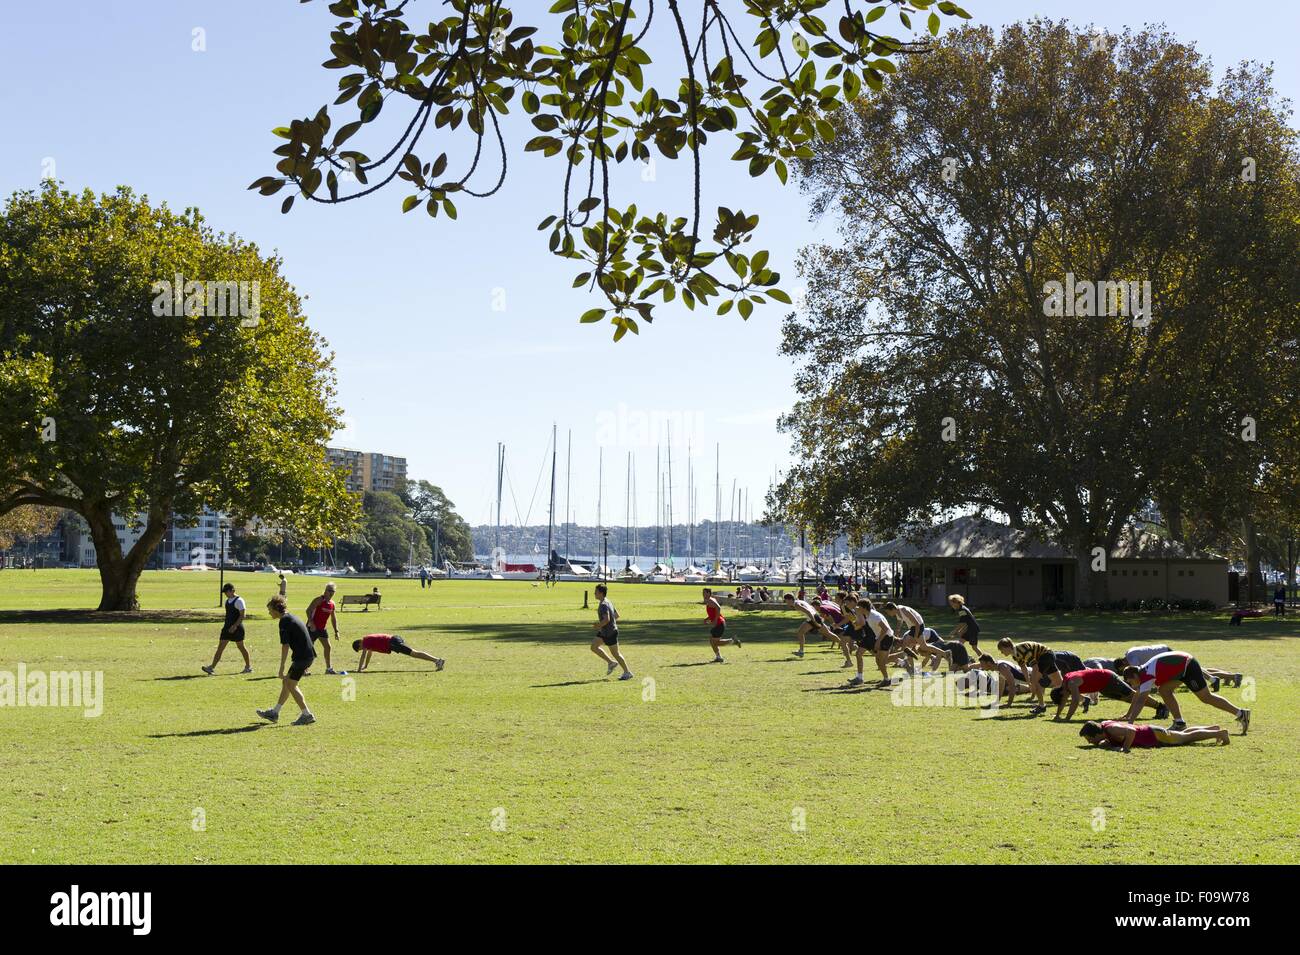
x=1061, y=630
x=640, y=632
x=102, y=617
x=251, y=727
x=549, y=686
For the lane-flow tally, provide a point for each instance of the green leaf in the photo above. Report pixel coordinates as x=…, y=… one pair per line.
x=592, y=315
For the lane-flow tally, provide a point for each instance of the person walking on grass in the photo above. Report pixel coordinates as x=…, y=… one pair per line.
x=320, y=614
x=232, y=631
x=294, y=641
x=284, y=586
x=717, y=625
x=605, y=643
x=383, y=643
x=1163, y=673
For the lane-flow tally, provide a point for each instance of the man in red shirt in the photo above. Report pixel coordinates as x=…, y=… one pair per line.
x=385, y=643
x=717, y=625
x=1081, y=683
x=320, y=614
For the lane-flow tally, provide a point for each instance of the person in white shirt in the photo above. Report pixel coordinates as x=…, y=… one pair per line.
x=874, y=635
x=812, y=621
x=910, y=621
x=232, y=631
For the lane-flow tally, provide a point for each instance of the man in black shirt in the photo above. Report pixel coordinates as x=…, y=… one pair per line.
x=232, y=631
x=968, y=628
x=295, y=642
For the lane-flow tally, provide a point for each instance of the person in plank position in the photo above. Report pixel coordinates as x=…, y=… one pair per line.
x=1079, y=685
x=1115, y=734
x=384, y=643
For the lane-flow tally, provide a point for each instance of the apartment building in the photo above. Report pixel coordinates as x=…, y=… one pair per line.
x=368, y=470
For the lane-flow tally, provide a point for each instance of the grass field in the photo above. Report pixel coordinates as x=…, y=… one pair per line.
x=521, y=751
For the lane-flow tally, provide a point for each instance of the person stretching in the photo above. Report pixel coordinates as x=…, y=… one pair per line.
x=383, y=643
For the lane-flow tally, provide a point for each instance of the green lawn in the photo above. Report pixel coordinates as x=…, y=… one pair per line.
x=523, y=730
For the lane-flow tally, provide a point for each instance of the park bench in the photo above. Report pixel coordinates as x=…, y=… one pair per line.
x=364, y=599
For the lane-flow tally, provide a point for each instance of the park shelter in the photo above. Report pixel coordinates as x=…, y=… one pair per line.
x=994, y=565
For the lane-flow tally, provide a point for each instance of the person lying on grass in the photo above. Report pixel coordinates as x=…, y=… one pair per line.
x=384, y=643
x=1081, y=684
x=1114, y=734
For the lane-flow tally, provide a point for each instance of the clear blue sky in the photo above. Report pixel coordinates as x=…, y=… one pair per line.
x=113, y=92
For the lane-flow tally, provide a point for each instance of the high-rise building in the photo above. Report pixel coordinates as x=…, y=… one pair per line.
x=368, y=470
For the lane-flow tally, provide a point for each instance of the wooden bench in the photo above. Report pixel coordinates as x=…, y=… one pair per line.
x=364, y=599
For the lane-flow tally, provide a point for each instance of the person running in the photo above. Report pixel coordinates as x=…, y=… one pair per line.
x=1162, y=674
x=968, y=628
x=877, y=638
x=717, y=625
x=832, y=612
x=812, y=621
x=297, y=642
x=1087, y=685
x=1140, y=656
x=605, y=643
x=910, y=621
x=385, y=643
x=232, y=631
x=1038, y=661
x=320, y=614
x=1116, y=734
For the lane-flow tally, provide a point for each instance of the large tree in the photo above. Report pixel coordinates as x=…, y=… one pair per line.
x=940, y=368
x=120, y=398
x=447, y=533
x=580, y=71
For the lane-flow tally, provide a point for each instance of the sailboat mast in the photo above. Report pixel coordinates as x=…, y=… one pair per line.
x=659, y=484
x=550, y=517
x=600, y=490
x=568, y=481
x=717, y=505
x=670, y=495
x=501, y=465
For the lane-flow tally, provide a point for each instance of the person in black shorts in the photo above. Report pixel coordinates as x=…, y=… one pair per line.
x=232, y=631
x=296, y=642
x=954, y=651
x=968, y=628
x=1066, y=662
x=717, y=625
x=374, y=643
x=605, y=643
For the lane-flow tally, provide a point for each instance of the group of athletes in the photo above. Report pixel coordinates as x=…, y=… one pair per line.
x=854, y=625
x=298, y=639
x=1144, y=677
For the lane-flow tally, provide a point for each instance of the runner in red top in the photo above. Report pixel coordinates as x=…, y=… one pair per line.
x=1163, y=673
x=384, y=643
x=320, y=613
x=717, y=625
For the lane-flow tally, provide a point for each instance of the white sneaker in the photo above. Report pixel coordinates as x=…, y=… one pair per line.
x=272, y=716
x=304, y=720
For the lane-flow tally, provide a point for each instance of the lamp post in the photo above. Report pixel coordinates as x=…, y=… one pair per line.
x=604, y=563
x=221, y=523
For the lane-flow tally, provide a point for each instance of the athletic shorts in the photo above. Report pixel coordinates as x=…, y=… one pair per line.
x=398, y=645
x=1163, y=736
x=236, y=637
x=1046, y=663
x=885, y=643
x=717, y=630
x=298, y=666
x=611, y=639
x=1192, y=676
x=960, y=655
x=866, y=640
x=318, y=634
x=817, y=620
x=1117, y=689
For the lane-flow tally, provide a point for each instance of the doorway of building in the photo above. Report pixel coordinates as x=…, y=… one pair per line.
x=1053, y=583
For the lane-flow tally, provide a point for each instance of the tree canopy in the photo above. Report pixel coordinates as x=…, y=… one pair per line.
x=968, y=344
x=580, y=73
x=117, y=398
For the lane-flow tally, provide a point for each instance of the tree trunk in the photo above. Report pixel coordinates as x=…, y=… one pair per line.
x=1173, y=515
x=1090, y=587
x=118, y=573
x=1250, y=538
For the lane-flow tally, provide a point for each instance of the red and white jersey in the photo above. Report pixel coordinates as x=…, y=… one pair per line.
x=1163, y=668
